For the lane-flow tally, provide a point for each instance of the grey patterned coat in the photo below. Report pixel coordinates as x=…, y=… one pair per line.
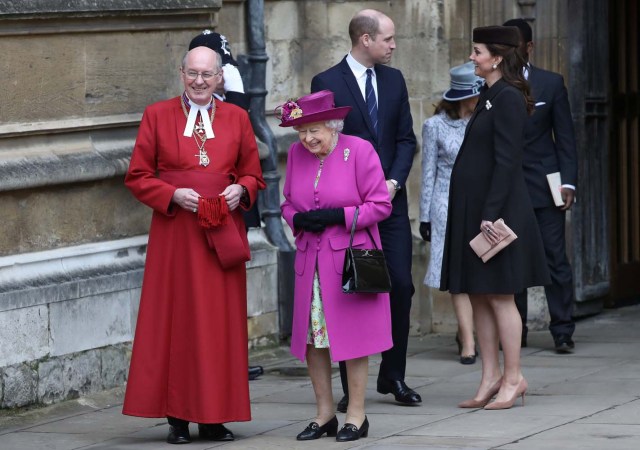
x=441, y=139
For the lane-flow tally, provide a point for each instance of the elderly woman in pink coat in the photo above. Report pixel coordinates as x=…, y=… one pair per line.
x=329, y=174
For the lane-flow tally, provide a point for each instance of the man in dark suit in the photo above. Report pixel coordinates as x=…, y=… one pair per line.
x=381, y=115
x=230, y=89
x=550, y=147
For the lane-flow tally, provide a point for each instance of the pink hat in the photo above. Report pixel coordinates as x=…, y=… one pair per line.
x=316, y=107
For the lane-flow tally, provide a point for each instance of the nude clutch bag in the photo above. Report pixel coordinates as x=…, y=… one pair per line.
x=484, y=249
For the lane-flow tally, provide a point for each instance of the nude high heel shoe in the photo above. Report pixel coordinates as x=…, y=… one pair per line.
x=521, y=390
x=473, y=403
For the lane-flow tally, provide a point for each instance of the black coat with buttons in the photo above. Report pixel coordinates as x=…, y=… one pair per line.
x=487, y=183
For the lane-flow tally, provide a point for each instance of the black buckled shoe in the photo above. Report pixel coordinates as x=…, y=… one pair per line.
x=315, y=431
x=350, y=432
x=178, y=435
x=343, y=404
x=564, y=344
x=403, y=393
x=215, y=432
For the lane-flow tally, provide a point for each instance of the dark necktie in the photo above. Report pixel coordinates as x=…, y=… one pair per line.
x=372, y=104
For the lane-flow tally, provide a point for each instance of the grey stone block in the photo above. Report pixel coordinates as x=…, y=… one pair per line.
x=107, y=283
x=134, y=299
x=90, y=322
x=24, y=335
x=20, y=385
x=537, y=311
x=81, y=374
x=115, y=364
x=50, y=386
x=262, y=290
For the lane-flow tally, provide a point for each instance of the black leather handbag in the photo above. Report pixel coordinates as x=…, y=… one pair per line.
x=364, y=270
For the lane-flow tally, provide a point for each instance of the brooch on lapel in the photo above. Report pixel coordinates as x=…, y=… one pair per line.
x=346, y=153
x=488, y=105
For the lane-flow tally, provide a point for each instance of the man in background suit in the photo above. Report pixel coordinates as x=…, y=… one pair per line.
x=230, y=89
x=381, y=115
x=550, y=147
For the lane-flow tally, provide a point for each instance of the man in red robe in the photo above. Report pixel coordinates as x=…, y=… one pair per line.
x=195, y=163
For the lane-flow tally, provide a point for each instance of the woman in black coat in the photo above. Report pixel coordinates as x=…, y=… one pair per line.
x=487, y=183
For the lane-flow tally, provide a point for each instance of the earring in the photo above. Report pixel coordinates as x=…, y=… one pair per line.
x=495, y=66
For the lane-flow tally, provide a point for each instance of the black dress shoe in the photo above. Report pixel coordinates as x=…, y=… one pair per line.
x=343, y=404
x=178, y=435
x=402, y=392
x=564, y=344
x=215, y=432
x=255, y=372
x=350, y=432
x=315, y=431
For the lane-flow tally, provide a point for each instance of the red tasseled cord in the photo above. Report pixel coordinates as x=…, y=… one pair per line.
x=212, y=211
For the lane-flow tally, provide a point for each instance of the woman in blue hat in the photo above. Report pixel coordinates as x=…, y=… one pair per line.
x=442, y=135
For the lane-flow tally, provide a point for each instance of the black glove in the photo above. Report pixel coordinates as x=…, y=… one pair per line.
x=425, y=231
x=330, y=216
x=307, y=223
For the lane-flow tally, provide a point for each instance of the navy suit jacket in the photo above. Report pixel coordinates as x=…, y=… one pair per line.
x=550, y=144
x=395, y=141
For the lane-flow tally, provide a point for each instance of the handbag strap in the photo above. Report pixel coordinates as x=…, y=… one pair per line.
x=353, y=229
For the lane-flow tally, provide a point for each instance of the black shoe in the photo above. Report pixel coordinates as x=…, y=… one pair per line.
x=469, y=359
x=466, y=359
x=255, y=372
x=315, y=431
x=402, y=392
x=215, y=432
x=564, y=344
x=350, y=432
x=178, y=435
x=343, y=404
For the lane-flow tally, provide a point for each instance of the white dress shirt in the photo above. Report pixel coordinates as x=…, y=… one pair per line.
x=360, y=72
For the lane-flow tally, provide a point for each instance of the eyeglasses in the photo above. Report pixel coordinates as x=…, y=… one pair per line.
x=206, y=76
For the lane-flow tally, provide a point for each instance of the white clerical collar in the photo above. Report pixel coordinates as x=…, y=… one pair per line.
x=193, y=115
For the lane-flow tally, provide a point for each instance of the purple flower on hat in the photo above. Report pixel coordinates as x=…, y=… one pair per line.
x=289, y=111
x=315, y=107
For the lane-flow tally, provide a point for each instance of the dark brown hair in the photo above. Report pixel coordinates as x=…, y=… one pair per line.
x=511, y=68
x=451, y=109
x=362, y=24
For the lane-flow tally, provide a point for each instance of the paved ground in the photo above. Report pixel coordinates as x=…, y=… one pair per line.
x=588, y=400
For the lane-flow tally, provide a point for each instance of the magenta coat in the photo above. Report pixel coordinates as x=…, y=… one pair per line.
x=357, y=324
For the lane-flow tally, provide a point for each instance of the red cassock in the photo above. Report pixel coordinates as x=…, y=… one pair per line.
x=189, y=356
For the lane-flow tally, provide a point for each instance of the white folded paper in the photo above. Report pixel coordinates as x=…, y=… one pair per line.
x=555, y=184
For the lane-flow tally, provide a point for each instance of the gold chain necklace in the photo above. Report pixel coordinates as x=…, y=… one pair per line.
x=199, y=134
